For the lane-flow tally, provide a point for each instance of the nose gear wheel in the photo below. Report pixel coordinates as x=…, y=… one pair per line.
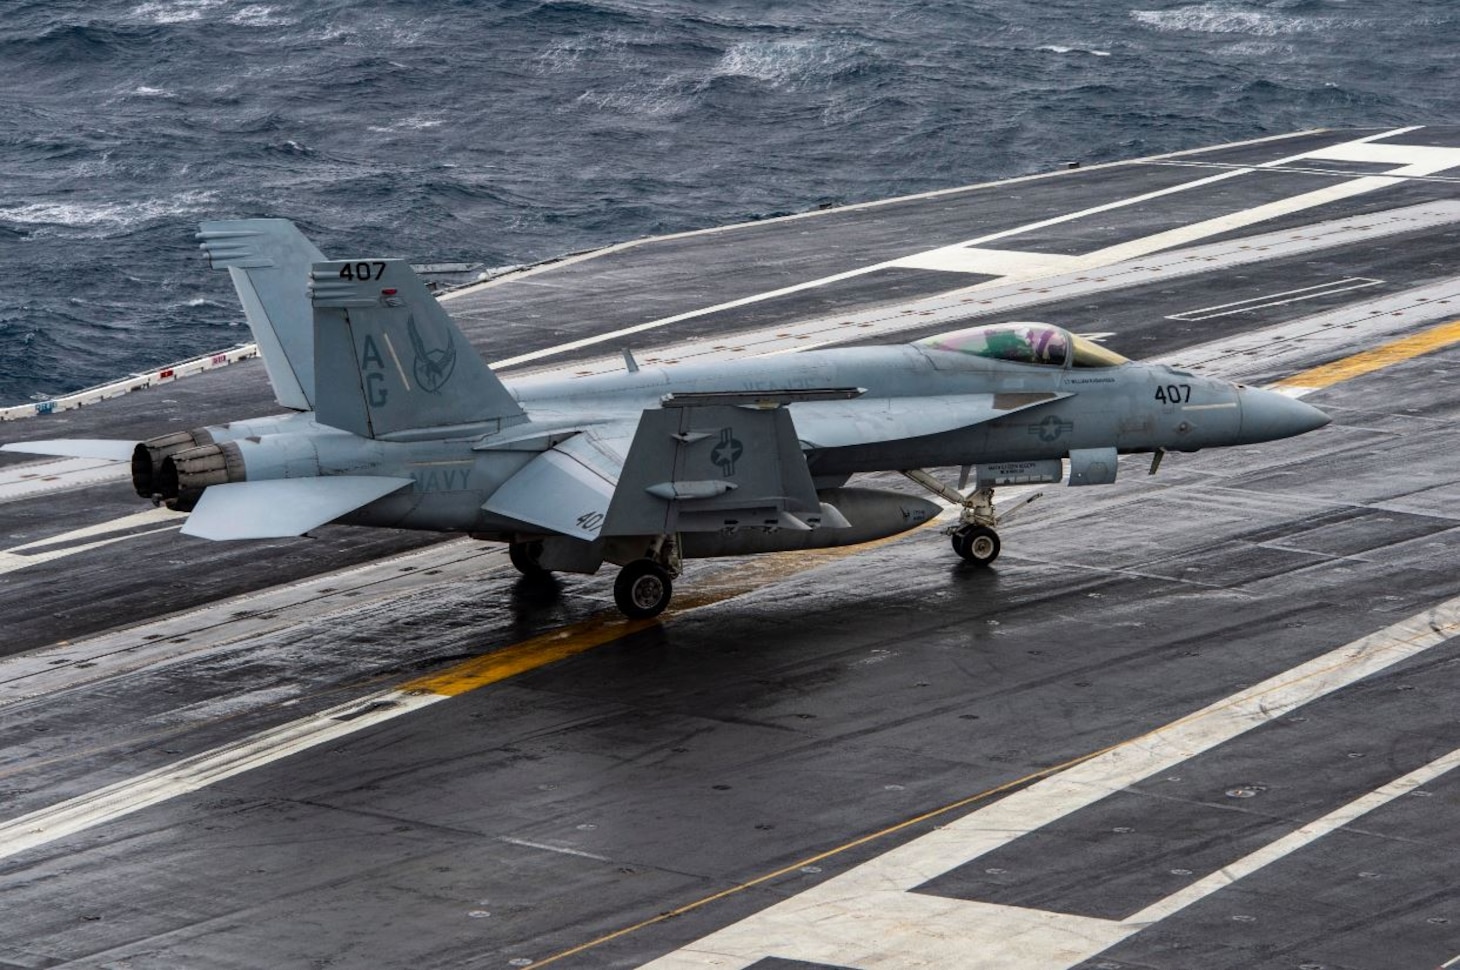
x=977, y=544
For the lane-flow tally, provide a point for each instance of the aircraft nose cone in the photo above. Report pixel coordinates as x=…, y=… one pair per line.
x=1268, y=415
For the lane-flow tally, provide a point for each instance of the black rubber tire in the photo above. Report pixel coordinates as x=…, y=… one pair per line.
x=977, y=544
x=642, y=589
x=524, y=558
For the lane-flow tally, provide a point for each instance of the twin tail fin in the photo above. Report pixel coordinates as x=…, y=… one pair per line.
x=388, y=358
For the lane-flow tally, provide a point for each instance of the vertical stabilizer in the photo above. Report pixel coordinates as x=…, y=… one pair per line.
x=269, y=262
x=388, y=358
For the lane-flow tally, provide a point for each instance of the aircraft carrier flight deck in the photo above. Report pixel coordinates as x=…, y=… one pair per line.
x=1193, y=720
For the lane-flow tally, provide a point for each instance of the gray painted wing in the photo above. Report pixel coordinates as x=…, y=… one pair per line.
x=565, y=490
x=839, y=424
x=283, y=507
x=707, y=468
x=104, y=448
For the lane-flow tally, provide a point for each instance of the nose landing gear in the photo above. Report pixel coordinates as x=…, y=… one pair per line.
x=975, y=538
x=978, y=544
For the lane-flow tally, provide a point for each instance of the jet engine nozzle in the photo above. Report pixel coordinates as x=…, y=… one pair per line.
x=184, y=474
x=147, y=458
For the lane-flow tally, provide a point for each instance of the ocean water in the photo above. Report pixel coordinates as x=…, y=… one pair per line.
x=512, y=131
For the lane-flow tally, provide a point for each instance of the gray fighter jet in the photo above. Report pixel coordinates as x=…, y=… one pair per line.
x=396, y=421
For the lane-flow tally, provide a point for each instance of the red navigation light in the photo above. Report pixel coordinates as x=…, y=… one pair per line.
x=389, y=292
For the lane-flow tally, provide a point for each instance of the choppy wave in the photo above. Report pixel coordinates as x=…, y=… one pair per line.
x=790, y=64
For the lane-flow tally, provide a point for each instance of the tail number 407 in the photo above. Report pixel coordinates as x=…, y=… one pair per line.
x=1174, y=393
x=363, y=271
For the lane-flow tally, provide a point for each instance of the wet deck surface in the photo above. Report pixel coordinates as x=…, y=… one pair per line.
x=805, y=763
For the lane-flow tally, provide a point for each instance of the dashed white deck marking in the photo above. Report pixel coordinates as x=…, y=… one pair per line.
x=871, y=918
x=1286, y=347
x=1283, y=298
x=54, y=474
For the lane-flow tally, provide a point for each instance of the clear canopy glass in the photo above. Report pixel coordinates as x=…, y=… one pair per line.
x=1025, y=343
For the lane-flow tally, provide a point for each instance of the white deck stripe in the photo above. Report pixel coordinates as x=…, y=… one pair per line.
x=1290, y=843
x=855, y=919
x=133, y=794
x=849, y=274
x=1421, y=164
x=960, y=308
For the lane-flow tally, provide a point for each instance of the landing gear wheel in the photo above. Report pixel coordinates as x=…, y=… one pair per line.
x=524, y=557
x=977, y=544
x=642, y=589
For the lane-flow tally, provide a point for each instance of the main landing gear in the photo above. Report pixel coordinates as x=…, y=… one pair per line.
x=644, y=586
x=524, y=558
x=975, y=538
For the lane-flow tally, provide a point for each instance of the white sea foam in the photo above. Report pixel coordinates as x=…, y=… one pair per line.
x=107, y=215
x=652, y=100
x=785, y=63
x=173, y=11
x=416, y=122
x=1061, y=49
x=1222, y=18
x=259, y=15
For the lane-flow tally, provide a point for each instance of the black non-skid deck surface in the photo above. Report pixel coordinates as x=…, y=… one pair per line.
x=742, y=750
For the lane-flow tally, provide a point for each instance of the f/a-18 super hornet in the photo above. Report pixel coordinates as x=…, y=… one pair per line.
x=394, y=420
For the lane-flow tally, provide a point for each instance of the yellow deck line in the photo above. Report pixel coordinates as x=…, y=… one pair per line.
x=534, y=652
x=1368, y=361
x=554, y=645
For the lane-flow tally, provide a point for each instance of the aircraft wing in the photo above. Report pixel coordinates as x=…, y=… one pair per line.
x=282, y=507
x=708, y=463
x=108, y=449
x=861, y=421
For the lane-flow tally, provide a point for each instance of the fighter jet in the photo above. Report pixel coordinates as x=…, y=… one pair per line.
x=394, y=420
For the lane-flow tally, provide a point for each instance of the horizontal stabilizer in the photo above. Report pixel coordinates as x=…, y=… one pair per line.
x=107, y=449
x=841, y=424
x=565, y=490
x=283, y=507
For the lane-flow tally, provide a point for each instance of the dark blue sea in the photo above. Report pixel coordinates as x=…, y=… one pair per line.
x=508, y=132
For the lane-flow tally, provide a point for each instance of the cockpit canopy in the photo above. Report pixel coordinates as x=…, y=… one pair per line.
x=1025, y=343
